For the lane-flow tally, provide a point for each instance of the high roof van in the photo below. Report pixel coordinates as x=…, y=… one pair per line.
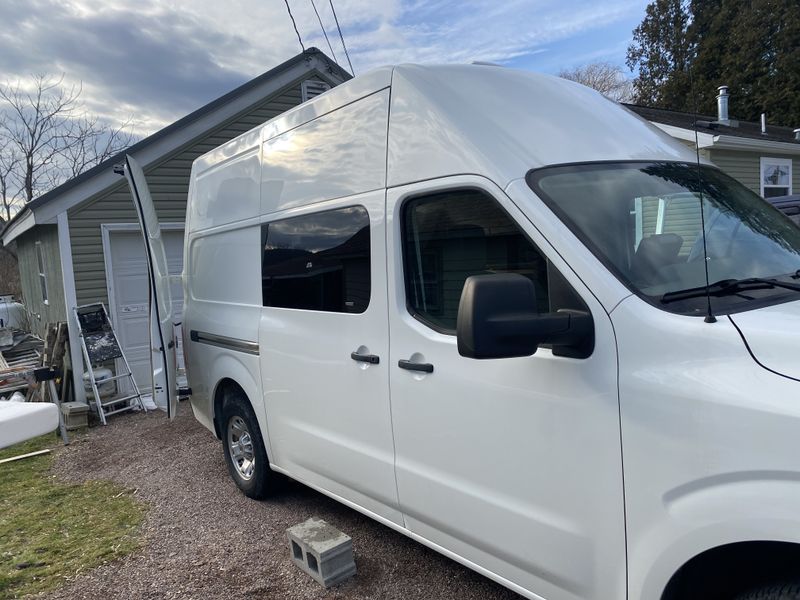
x=503, y=315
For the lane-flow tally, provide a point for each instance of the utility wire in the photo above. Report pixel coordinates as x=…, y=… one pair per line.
x=335, y=18
x=325, y=33
x=291, y=16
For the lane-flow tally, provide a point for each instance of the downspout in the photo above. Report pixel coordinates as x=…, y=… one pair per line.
x=70, y=302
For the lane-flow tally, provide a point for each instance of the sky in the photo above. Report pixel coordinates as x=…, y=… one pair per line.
x=153, y=61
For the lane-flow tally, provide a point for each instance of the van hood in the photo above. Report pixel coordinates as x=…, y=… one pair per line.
x=773, y=336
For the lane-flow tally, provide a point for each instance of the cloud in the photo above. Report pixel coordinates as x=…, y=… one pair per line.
x=159, y=59
x=152, y=66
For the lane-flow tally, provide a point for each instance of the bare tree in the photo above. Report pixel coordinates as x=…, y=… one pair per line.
x=91, y=142
x=9, y=271
x=9, y=160
x=606, y=78
x=47, y=137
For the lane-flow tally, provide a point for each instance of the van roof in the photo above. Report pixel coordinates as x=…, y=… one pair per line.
x=487, y=120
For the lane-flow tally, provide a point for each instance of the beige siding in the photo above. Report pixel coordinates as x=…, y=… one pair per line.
x=746, y=167
x=41, y=314
x=169, y=184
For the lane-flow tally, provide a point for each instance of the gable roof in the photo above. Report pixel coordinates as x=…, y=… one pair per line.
x=204, y=118
x=747, y=131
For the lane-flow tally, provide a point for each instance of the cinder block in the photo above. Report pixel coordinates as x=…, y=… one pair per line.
x=322, y=551
x=75, y=414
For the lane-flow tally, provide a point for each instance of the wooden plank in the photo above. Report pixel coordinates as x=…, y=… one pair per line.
x=28, y=455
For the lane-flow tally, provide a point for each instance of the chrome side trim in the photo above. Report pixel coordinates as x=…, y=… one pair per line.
x=212, y=339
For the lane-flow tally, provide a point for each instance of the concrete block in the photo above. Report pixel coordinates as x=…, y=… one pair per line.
x=75, y=415
x=322, y=551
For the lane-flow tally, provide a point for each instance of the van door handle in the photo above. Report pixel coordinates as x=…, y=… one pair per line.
x=414, y=366
x=372, y=359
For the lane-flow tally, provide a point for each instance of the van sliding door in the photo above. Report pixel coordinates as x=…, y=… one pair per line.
x=325, y=349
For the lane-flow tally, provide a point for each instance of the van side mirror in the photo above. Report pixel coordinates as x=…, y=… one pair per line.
x=497, y=318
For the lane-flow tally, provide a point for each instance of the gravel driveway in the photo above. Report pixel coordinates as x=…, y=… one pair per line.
x=204, y=539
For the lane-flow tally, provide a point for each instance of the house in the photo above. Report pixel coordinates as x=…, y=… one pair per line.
x=80, y=242
x=764, y=157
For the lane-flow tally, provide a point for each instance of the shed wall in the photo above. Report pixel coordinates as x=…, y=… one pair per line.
x=40, y=314
x=169, y=184
x=746, y=167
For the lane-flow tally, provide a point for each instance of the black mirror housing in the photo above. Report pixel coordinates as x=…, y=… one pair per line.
x=485, y=299
x=497, y=318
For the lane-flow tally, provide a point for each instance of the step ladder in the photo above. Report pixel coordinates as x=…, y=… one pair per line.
x=100, y=345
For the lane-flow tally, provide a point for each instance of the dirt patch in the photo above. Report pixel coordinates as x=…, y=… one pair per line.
x=204, y=539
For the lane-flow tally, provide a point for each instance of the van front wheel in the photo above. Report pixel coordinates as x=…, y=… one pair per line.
x=244, y=449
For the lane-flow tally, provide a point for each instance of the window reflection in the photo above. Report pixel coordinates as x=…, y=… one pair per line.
x=450, y=236
x=319, y=261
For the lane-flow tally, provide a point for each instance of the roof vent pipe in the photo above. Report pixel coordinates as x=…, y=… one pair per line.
x=722, y=105
x=763, y=123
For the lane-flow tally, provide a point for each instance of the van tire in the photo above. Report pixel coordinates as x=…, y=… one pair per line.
x=782, y=591
x=241, y=433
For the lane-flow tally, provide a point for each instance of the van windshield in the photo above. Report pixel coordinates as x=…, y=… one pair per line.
x=643, y=221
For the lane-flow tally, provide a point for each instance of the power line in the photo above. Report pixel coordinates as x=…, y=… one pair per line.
x=291, y=16
x=325, y=33
x=335, y=18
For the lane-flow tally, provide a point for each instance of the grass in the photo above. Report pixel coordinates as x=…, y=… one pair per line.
x=50, y=530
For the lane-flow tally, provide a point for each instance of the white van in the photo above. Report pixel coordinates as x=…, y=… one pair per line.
x=471, y=303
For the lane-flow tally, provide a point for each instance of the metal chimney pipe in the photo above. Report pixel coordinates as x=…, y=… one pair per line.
x=763, y=123
x=722, y=105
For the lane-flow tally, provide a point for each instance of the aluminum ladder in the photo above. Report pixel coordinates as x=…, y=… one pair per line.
x=100, y=345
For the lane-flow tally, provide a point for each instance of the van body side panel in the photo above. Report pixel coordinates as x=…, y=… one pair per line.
x=226, y=192
x=500, y=123
x=700, y=452
x=334, y=99
x=513, y=464
x=223, y=299
x=339, y=154
x=222, y=272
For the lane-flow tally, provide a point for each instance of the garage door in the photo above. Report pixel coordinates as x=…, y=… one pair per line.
x=128, y=296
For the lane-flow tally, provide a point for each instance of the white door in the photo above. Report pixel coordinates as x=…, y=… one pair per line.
x=128, y=289
x=324, y=350
x=513, y=464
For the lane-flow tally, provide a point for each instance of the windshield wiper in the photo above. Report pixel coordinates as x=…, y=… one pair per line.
x=727, y=287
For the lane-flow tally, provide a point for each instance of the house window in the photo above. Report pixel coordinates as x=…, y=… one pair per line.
x=42, y=273
x=776, y=177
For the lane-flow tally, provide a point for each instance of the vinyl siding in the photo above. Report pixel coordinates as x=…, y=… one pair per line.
x=746, y=167
x=39, y=313
x=169, y=184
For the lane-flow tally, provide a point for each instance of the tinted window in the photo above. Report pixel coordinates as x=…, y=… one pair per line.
x=449, y=237
x=318, y=261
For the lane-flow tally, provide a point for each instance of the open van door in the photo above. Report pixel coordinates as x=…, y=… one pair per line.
x=162, y=329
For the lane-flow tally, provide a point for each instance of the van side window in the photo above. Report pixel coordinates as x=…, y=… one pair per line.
x=450, y=236
x=318, y=261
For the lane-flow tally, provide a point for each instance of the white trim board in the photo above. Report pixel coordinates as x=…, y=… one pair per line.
x=70, y=302
x=728, y=142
